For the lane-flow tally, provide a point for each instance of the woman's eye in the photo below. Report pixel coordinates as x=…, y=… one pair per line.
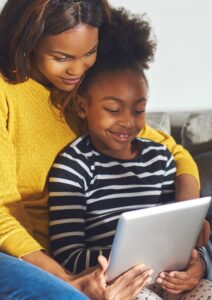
x=61, y=59
x=91, y=52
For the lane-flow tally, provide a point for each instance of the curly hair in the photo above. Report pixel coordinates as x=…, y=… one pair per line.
x=130, y=35
x=129, y=45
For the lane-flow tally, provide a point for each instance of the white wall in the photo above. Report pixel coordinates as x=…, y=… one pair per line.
x=181, y=76
x=2, y=2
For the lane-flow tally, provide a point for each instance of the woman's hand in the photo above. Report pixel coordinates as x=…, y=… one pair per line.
x=176, y=282
x=128, y=285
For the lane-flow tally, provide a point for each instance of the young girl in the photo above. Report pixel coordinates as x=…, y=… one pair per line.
x=109, y=171
x=46, y=46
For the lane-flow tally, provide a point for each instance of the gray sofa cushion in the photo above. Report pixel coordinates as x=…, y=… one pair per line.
x=159, y=120
x=197, y=133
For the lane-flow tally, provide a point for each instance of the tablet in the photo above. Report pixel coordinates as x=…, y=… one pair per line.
x=161, y=237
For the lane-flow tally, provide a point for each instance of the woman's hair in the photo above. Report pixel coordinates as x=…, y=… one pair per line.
x=129, y=46
x=24, y=22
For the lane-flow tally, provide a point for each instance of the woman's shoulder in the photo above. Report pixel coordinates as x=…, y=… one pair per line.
x=28, y=85
x=3, y=82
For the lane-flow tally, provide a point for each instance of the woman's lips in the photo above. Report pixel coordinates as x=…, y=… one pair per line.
x=71, y=81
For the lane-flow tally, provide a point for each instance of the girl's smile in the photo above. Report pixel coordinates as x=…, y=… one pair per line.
x=115, y=112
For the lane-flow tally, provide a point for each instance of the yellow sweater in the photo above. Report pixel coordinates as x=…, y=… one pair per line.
x=31, y=135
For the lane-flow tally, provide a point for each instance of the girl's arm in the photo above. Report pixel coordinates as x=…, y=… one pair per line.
x=187, y=184
x=67, y=208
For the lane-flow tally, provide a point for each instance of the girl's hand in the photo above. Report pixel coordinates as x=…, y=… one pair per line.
x=128, y=285
x=176, y=282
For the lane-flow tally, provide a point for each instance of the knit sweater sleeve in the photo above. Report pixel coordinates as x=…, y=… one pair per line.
x=184, y=161
x=15, y=238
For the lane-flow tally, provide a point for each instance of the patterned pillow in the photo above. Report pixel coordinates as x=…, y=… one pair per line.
x=197, y=133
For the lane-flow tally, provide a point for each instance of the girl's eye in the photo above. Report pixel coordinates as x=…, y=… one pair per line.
x=138, y=111
x=113, y=111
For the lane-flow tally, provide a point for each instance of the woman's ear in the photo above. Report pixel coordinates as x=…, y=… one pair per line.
x=81, y=107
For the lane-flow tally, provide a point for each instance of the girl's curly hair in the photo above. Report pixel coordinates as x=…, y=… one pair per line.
x=130, y=35
x=129, y=44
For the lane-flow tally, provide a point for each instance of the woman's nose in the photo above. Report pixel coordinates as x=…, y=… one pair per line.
x=76, y=68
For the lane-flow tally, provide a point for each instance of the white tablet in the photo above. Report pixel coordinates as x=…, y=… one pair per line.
x=161, y=237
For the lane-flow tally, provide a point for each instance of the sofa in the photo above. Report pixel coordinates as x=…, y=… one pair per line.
x=194, y=131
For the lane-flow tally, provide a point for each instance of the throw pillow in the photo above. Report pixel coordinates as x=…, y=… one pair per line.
x=197, y=133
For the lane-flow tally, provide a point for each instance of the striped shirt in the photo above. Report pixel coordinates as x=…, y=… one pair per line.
x=89, y=190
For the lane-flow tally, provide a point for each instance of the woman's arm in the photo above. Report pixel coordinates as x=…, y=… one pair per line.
x=15, y=228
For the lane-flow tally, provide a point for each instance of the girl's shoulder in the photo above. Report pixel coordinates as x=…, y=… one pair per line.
x=147, y=142
x=80, y=148
x=153, y=148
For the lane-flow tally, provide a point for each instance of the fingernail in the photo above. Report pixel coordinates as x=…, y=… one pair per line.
x=150, y=272
x=149, y=279
x=142, y=266
x=159, y=280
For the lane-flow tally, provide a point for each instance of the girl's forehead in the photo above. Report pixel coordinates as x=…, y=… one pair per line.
x=124, y=85
x=122, y=77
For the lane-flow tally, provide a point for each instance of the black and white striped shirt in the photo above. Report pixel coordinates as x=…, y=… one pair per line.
x=89, y=191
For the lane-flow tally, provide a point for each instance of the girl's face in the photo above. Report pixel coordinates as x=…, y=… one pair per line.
x=62, y=60
x=115, y=113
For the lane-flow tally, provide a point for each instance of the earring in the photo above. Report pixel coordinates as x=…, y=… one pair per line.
x=82, y=115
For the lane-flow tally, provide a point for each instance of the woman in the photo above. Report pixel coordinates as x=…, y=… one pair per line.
x=44, y=45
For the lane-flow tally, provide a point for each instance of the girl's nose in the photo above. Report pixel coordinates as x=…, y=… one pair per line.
x=126, y=120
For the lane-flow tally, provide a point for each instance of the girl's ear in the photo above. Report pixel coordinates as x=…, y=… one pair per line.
x=81, y=107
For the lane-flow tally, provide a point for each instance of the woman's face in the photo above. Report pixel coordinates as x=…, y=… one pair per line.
x=62, y=60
